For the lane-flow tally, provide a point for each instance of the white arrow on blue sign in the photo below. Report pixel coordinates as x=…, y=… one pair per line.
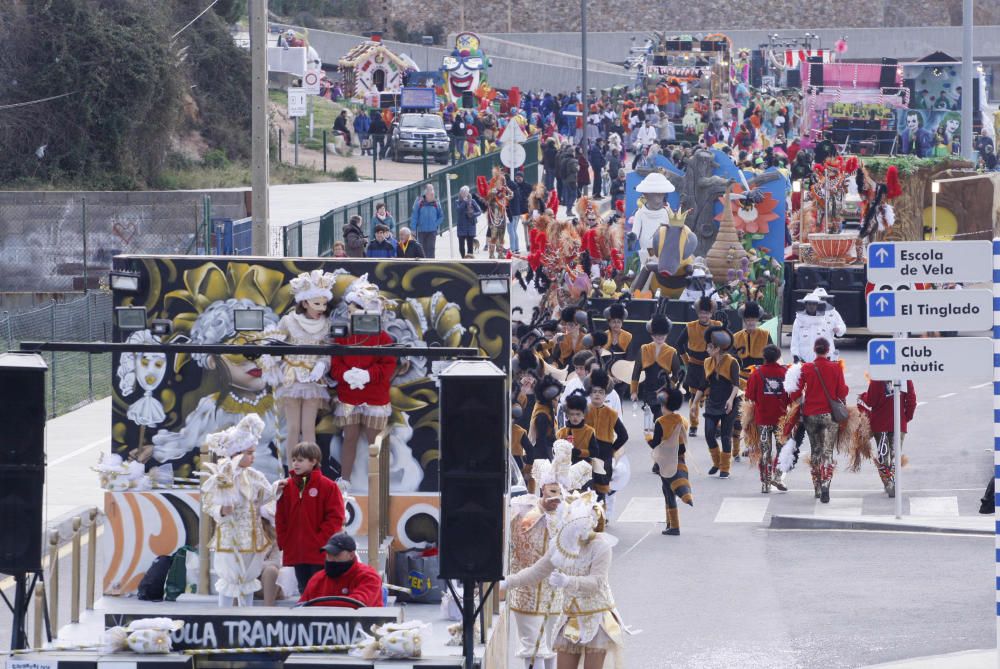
x=930, y=310
x=910, y=358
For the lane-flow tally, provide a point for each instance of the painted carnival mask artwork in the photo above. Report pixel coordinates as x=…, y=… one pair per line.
x=464, y=68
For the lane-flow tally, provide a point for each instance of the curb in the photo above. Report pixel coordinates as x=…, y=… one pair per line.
x=779, y=522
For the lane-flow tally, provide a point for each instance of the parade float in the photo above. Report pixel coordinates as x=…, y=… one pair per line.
x=703, y=63
x=465, y=71
x=371, y=68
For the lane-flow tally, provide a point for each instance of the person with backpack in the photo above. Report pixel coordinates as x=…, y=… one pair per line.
x=426, y=220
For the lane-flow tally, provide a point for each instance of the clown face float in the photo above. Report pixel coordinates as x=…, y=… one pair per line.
x=464, y=68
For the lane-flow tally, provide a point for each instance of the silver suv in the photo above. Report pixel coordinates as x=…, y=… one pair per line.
x=409, y=132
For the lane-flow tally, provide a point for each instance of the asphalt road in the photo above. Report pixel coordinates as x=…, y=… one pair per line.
x=736, y=594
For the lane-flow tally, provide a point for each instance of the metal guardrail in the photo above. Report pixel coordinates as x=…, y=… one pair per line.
x=314, y=237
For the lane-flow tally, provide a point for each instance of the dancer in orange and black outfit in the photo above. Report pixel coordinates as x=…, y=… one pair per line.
x=609, y=431
x=722, y=401
x=669, y=446
x=692, y=347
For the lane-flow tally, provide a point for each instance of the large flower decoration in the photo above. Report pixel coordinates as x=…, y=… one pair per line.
x=751, y=212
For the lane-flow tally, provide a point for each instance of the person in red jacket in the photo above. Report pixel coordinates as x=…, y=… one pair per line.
x=362, y=380
x=808, y=382
x=877, y=403
x=344, y=576
x=310, y=509
x=765, y=390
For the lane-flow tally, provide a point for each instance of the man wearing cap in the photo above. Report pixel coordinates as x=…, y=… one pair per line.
x=813, y=323
x=344, y=576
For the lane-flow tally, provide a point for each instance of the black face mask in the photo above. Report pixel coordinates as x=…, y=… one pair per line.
x=337, y=569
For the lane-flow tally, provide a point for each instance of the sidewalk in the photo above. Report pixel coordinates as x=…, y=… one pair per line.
x=978, y=525
x=73, y=443
x=970, y=659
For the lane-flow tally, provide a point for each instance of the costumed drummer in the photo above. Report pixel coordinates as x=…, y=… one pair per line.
x=658, y=365
x=669, y=444
x=693, y=348
x=619, y=344
x=722, y=402
x=748, y=346
x=237, y=497
x=533, y=523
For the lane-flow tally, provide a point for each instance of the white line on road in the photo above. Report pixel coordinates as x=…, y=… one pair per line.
x=83, y=449
x=920, y=404
x=742, y=510
x=643, y=510
x=981, y=385
x=839, y=506
x=635, y=544
x=934, y=506
x=946, y=396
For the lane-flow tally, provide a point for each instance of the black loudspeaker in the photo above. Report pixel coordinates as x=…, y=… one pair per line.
x=887, y=77
x=793, y=78
x=808, y=278
x=852, y=308
x=473, y=428
x=756, y=68
x=815, y=73
x=848, y=278
x=468, y=100
x=22, y=461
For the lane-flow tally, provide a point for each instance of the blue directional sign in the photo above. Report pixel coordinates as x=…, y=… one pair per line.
x=882, y=256
x=882, y=353
x=882, y=304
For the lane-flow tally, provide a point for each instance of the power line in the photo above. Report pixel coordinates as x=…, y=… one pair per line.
x=35, y=102
x=174, y=36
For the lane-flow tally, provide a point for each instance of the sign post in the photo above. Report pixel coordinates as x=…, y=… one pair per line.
x=901, y=359
x=297, y=106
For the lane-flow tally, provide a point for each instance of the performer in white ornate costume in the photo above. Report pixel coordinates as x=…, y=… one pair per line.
x=299, y=379
x=577, y=564
x=536, y=608
x=236, y=495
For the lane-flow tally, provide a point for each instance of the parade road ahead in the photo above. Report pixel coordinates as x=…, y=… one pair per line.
x=729, y=592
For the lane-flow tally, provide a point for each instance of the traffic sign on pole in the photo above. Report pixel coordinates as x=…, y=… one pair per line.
x=297, y=102
x=930, y=262
x=310, y=82
x=930, y=310
x=953, y=357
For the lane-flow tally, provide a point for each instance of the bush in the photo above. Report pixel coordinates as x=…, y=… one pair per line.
x=349, y=173
x=216, y=158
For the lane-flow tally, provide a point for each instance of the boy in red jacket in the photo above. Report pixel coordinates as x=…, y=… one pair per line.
x=766, y=398
x=310, y=510
x=877, y=403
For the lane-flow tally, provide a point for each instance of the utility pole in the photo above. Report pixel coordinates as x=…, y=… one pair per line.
x=260, y=145
x=968, y=95
x=583, y=61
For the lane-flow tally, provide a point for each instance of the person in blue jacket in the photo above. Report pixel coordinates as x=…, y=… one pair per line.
x=383, y=246
x=426, y=220
x=362, y=124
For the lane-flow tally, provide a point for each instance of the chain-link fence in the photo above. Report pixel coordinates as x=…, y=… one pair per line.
x=314, y=237
x=55, y=242
x=73, y=378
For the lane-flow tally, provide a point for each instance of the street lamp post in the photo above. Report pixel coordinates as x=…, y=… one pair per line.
x=427, y=41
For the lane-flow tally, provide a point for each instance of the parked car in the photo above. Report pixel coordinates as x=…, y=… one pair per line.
x=409, y=132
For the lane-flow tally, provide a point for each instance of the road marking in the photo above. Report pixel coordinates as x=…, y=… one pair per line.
x=635, y=544
x=946, y=396
x=839, y=506
x=981, y=385
x=934, y=506
x=742, y=510
x=643, y=510
x=83, y=449
x=920, y=404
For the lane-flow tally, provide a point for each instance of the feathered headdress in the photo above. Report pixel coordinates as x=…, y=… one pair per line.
x=310, y=285
x=232, y=441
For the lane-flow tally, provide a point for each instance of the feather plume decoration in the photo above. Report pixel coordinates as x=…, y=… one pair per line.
x=862, y=447
x=788, y=456
x=751, y=438
x=792, y=378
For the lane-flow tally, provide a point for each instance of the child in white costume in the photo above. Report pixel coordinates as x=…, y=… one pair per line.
x=298, y=380
x=536, y=608
x=236, y=495
x=577, y=563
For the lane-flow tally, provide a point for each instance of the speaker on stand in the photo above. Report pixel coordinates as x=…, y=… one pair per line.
x=472, y=411
x=22, y=480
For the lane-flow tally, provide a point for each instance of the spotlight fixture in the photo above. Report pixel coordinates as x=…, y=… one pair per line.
x=366, y=322
x=248, y=320
x=494, y=285
x=130, y=318
x=161, y=327
x=124, y=281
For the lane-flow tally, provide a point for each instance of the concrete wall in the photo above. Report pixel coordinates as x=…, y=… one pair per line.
x=863, y=43
x=42, y=233
x=523, y=67
x=684, y=15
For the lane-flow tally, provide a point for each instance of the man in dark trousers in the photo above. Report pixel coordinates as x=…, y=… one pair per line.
x=340, y=125
x=378, y=132
x=597, y=161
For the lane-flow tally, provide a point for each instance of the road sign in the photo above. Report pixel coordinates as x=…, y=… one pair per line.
x=954, y=357
x=512, y=155
x=310, y=82
x=297, y=102
x=513, y=134
x=930, y=262
x=933, y=310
